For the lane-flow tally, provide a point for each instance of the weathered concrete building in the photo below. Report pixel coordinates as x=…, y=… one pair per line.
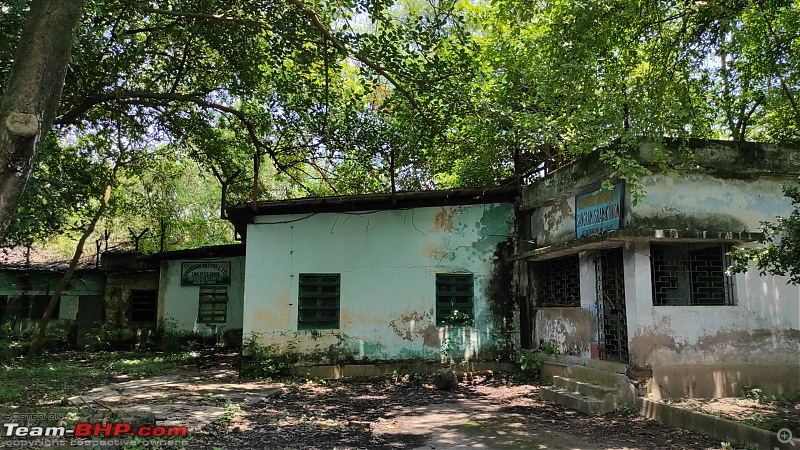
x=26, y=291
x=376, y=277
x=202, y=290
x=644, y=283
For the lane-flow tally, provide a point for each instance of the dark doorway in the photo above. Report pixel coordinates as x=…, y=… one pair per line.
x=613, y=328
x=90, y=316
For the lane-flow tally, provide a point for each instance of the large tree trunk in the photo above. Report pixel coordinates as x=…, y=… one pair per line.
x=32, y=94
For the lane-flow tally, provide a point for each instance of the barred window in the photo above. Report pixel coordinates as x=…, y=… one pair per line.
x=143, y=305
x=559, y=283
x=318, y=302
x=454, y=299
x=691, y=274
x=213, y=307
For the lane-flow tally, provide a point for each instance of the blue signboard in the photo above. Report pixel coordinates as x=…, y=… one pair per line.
x=598, y=211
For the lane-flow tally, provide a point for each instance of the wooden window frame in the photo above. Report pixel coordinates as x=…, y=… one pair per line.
x=132, y=311
x=214, y=298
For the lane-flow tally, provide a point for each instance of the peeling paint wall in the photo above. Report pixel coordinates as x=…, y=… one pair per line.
x=180, y=304
x=709, y=202
x=689, y=201
x=388, y=261
x=572, y=330
x=118, y=291
x=725, y=344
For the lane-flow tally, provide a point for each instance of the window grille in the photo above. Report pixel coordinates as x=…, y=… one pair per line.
x=318, y=302
x=454, y=299
x=559, y=283
x=143, y=305
x=691, y=274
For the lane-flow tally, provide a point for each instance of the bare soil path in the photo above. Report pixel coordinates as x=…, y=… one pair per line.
x=384, y=414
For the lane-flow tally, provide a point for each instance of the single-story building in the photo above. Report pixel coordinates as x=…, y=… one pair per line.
x=201, y=290
x=415, y=275
x=644, y=281
x=25, y=292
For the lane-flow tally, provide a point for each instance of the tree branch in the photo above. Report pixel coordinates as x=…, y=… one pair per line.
x=382, y=71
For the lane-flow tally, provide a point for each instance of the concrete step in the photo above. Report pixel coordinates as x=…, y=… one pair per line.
x=575, y=400
x=608, y=366
x=597, y=376
x=585, y=388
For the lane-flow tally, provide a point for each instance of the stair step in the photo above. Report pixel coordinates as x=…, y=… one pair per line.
x=597, y=376
x=575, y=400
x=584, y=387
x=608, y=366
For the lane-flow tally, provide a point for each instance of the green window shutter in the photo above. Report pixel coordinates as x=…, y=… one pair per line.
x=454, y=299
x=213, y=307
x=318, y=305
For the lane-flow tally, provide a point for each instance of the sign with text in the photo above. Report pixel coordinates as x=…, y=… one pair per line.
x=598, y=211
x=204, y=273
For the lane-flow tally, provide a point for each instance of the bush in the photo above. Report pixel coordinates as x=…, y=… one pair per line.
x=110, y=337
x=264, y=362
x=530, y=365
x=232, y=338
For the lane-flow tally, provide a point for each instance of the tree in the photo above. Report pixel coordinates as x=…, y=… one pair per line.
x=99, y=145
x=32, y=92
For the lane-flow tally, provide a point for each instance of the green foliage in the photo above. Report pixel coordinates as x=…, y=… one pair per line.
x=752, y=392
x=530, y=365
x=411, y=95
x=548, y=348
x=230, y=413
x=459, y=318
x=58, y=338
x=265, y=362
x=779, y=250
x=110, y=337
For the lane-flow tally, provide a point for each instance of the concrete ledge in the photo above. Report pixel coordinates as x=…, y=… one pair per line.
x=723, y=429
x=383, y=369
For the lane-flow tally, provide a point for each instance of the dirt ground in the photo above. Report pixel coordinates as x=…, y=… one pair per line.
x=382, y=414
x=224, y=412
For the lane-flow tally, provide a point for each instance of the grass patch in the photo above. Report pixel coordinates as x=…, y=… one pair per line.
x=46, y=379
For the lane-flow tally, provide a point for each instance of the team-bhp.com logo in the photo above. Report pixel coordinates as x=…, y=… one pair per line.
x=89, y=430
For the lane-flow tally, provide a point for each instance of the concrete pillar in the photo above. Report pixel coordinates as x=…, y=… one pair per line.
x=638, y=284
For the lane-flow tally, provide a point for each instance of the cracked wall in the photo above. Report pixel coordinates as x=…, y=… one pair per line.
x=388, y=261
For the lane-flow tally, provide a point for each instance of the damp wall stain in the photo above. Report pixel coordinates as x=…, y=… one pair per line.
x=388, y=262
x=572, y=330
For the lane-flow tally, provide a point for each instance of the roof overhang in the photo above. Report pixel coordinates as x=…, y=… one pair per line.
x=611, y=239
x=241, y=215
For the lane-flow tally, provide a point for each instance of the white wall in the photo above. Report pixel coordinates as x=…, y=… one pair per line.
x=180, y=303
x=712, y=201
x=388, y=261
x=763, y=327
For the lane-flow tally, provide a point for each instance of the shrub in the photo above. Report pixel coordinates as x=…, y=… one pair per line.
x=530, y=365
x=264, y=362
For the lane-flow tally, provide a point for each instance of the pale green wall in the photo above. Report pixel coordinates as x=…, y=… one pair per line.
x=388, y=261
x=44, y=283
x=179, y=304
